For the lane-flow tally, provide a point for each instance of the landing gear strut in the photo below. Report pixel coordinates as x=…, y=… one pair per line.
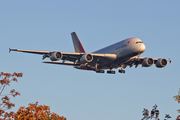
x=121, y=70
x=98, y=70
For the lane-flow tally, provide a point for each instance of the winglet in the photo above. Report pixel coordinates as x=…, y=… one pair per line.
x=12, y=50
x=170, y=60
x=78, y=47
x=9, y=50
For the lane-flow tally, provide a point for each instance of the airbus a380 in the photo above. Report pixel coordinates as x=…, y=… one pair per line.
x=119, y=55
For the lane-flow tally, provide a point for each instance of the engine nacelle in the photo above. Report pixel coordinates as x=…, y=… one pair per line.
x=147, y=62
x=86, y=58
x=161, y=63
x=56, y=56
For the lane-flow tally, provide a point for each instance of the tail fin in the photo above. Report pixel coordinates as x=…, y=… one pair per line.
x=77, y=43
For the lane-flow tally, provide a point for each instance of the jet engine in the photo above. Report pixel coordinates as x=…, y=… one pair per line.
x=56, y=56
x=147, y=62
x=161, y=63
x=86, y=58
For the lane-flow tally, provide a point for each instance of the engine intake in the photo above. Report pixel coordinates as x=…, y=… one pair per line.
x=86, y=58
x=161, y=63
x=56, y=56
x=147, y=62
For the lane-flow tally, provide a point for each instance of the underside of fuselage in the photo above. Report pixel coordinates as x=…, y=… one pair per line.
x=119, y=62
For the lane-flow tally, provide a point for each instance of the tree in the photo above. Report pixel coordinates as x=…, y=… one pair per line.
x=5, y=104
x=177, y=98
x=36, y=112
x=154, y=113
x=32, y=112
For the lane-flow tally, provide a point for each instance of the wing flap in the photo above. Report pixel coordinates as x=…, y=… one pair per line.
x=61, y=63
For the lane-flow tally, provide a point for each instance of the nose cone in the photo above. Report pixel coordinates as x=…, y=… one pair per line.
x=141, y=48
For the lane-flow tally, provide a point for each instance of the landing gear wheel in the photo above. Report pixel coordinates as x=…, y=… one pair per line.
x=100, y=71
x=111, y=72
x=121, y=71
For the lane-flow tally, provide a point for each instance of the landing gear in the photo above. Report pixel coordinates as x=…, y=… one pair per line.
x=111, y=72
x=100, y=71
x=121, y=71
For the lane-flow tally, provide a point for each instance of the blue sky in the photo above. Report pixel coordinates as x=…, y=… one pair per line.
x=85, y=95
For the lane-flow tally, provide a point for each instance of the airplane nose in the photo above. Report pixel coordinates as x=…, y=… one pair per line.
x=142, y=48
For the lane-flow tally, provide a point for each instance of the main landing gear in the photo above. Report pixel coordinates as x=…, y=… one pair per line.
x=100, y=71
x=121, y=71
x=111, y=72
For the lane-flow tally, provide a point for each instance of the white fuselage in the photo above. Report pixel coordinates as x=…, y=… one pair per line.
x=128, y=47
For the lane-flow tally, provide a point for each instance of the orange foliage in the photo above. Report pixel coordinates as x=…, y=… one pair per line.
x=32, y=112
x=177, y=97
x=36, y=112
x=5, y=104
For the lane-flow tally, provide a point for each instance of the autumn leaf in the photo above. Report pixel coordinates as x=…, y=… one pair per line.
x=14, y=79
x=12, y=91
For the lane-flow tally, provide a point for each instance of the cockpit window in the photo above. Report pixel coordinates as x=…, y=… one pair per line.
x=139, y=42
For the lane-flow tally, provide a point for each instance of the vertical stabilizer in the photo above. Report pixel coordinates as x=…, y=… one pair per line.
x=77, y=43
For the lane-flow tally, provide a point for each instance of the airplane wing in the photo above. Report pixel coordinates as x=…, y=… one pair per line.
x=147, y=62
x=77, y=58
x=48, y=53
x=30, y=51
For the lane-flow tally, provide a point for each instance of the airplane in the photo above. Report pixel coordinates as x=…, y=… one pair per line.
x=119, y=55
